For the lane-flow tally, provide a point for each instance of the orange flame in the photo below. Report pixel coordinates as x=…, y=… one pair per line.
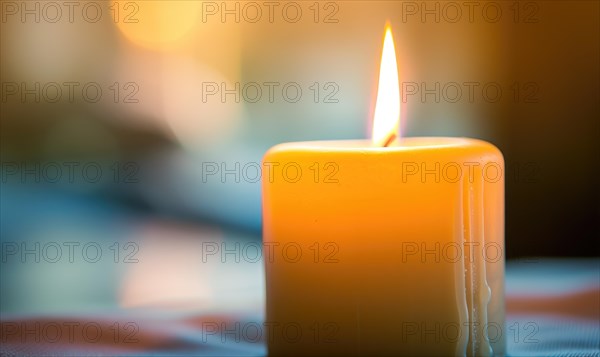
x=387, y=108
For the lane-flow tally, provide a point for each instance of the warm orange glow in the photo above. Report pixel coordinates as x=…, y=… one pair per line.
x=387, y=107
x=155, y=24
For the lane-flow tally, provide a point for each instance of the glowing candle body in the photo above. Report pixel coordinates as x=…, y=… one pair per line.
x=385, y=251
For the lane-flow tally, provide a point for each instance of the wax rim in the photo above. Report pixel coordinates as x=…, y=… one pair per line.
x=407, y=143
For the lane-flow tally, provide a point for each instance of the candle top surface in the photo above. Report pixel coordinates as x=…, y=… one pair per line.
x=403, y=144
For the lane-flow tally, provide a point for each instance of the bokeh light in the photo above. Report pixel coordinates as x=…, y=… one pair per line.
x=155, y=24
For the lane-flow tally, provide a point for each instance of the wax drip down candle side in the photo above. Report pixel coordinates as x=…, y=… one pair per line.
x=390, y=246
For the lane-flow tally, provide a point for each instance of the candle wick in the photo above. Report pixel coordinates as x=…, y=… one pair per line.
x=389, y=140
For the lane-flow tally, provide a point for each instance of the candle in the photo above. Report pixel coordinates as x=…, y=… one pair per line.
x=385, y=247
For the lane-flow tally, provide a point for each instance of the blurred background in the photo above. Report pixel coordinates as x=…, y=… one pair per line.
x=113, y=111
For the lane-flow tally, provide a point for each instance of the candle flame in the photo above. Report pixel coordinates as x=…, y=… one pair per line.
x=387, y=107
